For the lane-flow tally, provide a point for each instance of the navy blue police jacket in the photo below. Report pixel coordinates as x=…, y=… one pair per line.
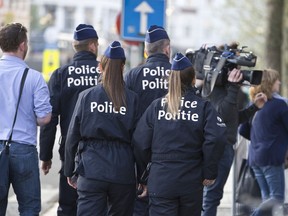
x=65, y=85
x=149, y=80
x=184, y=151
x=102, y=137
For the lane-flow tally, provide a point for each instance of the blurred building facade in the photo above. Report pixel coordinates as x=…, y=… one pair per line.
x=190, y=23
x=57, y=20
x=15, y=11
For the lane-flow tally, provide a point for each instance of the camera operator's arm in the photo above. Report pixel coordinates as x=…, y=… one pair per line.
x=226, y=104
x=225, y=100
x=235, y=76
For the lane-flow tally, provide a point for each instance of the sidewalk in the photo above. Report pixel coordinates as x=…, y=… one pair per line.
x=49, y=200
x=52, y=211
x=49, y=197
x=225, y=208
x=226, y=205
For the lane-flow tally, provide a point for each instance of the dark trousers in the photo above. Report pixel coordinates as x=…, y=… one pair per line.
x=186, y=205
x=214, y=193
x=67, y=197
x=141, y=207
x=95, y=196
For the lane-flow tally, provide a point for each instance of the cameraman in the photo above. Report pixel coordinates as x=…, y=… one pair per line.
x=225, y=100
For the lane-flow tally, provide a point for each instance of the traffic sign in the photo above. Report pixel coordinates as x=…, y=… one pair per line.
x=51, y=61
x=138, y=15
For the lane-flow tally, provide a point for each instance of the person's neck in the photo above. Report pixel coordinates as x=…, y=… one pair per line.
x=15, y=54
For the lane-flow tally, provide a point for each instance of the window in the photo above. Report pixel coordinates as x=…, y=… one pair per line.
x=89, y=15
x=69, y=18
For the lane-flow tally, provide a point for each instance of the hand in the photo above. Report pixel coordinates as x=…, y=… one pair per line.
x=208, y=182
x=235, y=76
x=144, y=190
x=260, y=99
x=46, y=166
x=199, y=83
x=72, y=181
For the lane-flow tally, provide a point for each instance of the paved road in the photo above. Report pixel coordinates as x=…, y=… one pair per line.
x=224, y=210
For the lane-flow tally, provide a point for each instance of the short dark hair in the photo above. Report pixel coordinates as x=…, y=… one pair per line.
x=11, y=36
x=83, y=45
x=156, y=47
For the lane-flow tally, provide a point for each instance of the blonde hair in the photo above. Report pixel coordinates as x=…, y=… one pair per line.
x=179, y=81
x=269, y=77
x=174, y=93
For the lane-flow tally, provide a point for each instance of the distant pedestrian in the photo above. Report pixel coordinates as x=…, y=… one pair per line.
x=268, y=146
x=65, y=85
x=100, y=135
x=183, y=137
x=34, y=109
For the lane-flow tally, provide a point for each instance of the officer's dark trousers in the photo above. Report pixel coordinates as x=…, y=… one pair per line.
x=141, y=207
x=187, y=205
x=94, y=195
x=67, y=197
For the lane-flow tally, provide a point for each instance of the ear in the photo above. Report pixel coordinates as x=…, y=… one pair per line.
x=91, y=46
x=22, y=46
x=167, y=51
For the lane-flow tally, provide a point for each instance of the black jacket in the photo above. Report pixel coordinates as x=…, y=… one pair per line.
x=103, y=137
x=183, y=151
x=225, y=101
x=65, y=85
x=149, y=80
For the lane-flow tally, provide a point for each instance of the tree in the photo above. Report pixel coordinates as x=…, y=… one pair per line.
x=284, y=68
x=249, y=19
x=277, y=40
x=274, y=34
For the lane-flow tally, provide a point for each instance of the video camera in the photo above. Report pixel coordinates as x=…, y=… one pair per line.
x=213, y=64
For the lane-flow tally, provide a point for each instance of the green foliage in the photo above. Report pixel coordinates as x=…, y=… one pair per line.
x=249, y=19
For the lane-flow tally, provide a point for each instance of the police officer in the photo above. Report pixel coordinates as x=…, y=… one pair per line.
x=65, y=85
x=149, y=81
x=101, y=128
x=183, y=137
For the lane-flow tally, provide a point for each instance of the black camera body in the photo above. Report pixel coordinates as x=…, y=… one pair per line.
x=212, y=65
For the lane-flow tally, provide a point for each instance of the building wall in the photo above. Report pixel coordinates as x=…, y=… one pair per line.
x=68, y=14
x=15, y=11
x=190, y=23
